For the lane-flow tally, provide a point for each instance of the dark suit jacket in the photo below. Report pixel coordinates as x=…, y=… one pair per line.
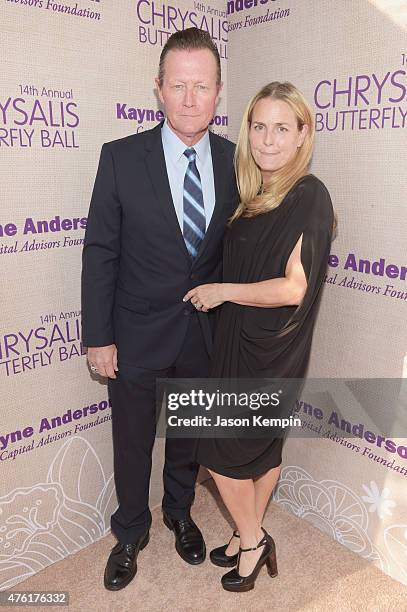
x=136, y=268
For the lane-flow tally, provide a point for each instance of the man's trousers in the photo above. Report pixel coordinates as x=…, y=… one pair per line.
x=133, y=397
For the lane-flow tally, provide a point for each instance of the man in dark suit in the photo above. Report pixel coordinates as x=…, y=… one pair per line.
x=156, y=221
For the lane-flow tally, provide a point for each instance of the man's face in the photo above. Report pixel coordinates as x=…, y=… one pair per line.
x=189, y=92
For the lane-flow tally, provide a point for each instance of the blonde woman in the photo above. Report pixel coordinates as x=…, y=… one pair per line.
x=275, y=258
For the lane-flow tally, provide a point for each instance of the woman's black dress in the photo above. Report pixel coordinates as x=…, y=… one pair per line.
x=253, y=342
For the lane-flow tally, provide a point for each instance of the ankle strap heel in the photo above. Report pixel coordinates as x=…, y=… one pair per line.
x=219, y=557
x=233, y=581
x=265, y=540
x=235, y=534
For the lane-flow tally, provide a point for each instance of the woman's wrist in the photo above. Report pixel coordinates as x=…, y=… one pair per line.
x=224, y=291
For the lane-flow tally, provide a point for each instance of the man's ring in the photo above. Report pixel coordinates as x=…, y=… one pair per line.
x=93, y=368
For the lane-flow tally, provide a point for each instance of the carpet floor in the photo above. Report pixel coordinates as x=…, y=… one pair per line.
x=316, y=574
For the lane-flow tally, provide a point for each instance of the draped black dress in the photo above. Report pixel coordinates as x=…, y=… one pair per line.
x=253, y=342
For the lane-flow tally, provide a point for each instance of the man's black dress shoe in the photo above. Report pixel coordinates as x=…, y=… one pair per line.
x=189, y=542
x=121, y=565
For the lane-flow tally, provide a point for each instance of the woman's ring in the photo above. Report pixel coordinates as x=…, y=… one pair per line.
x=198, y=305
x=93, y=368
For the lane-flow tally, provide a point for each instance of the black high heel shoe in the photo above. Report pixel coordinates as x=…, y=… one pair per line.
x=219, y=557
x=233, y=581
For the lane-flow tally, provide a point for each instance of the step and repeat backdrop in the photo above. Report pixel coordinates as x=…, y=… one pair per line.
x=349, y=59
x=80, y=73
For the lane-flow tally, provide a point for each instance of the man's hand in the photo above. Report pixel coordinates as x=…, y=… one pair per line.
x=205, y=297
x=104, y=359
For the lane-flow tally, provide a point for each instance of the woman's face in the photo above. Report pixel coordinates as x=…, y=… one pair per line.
x=274, y=136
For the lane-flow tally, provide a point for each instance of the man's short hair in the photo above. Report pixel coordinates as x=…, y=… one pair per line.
x=191, y=38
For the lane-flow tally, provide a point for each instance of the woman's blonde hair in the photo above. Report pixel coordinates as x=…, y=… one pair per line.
x=256, y=198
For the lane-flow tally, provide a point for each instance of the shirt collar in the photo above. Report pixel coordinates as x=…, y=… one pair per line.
x=176, y=147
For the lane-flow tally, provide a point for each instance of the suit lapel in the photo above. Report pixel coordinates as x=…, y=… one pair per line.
x=157, y=171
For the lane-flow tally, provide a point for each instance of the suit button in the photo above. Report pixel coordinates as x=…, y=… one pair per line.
x=193, y=276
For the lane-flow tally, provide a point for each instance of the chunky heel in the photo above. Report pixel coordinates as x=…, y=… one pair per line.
x=271, y=563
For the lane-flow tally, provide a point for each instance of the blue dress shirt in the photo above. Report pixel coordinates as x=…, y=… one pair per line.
x=177, y=164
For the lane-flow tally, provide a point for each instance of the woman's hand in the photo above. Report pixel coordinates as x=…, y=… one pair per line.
x=205, y=297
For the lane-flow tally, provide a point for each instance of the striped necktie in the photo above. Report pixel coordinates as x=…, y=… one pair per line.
x=194, y=212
